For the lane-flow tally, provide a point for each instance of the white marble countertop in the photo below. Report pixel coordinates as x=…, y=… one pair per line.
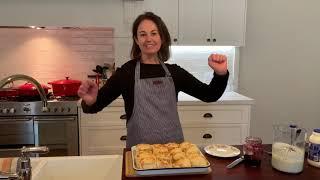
x=231, y=98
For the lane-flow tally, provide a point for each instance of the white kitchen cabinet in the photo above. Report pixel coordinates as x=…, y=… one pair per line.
x=194, y=22
x=203, y=135
x=229, y=22
x=227, y=124
x=103, y=132
x=202, y=124
x=166, y=9
x=212, y=22
x=101, y=140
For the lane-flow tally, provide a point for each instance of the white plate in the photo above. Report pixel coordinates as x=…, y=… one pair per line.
x=222, y=150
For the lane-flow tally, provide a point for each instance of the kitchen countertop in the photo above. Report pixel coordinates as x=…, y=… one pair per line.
x=219, y=171
x=228, y=98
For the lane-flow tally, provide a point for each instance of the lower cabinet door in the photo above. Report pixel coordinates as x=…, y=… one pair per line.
x=103, y=140
x=215, y=134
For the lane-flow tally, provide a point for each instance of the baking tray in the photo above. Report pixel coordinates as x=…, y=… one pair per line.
x=169, y=171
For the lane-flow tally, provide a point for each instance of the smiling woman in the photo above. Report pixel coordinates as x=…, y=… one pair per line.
x=149, y=86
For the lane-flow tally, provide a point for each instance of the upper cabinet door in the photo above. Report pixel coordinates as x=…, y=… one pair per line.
x=166, y=9
x=229, y=22
x=195, y=22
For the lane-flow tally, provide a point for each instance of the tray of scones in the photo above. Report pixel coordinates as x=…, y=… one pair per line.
x=169, y=159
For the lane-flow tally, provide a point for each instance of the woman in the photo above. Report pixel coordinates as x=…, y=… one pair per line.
x=150, y=88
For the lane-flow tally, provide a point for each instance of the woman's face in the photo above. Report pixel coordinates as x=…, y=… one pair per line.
x=148, y=38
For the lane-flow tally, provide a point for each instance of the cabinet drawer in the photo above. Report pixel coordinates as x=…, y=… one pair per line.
x=109, y=116
x=222, y=134
x=211, y=114
x=102, y=140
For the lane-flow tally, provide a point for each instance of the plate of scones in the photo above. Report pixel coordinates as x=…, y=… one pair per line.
x=169, y=159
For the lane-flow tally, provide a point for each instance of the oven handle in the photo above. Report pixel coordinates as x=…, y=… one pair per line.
x=55, y=119
x=15, y=119
x=10, y=149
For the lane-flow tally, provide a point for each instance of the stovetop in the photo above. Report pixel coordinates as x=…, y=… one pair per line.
x=25, y=106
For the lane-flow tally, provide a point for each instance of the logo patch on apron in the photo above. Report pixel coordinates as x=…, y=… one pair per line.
x=157, y=82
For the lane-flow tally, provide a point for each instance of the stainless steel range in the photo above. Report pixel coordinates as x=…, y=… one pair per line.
x=40, y=121
x=25, y=124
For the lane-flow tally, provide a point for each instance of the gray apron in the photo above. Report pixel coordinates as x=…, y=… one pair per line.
x=155, y=117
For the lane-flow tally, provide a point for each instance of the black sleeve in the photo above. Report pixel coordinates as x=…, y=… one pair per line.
x=106, y=94
x=205, y=92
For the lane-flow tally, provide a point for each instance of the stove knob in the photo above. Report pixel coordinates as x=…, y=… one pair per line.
x=55, y=109
x=62, y=109
x=69, y=109
x=48, y=109
x=26, y=109
x=12, y=110
x=5, y=110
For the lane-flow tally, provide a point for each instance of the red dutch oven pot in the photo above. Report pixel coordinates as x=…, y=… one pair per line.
x=9, y=92
x=65, y=87
x=28, y=89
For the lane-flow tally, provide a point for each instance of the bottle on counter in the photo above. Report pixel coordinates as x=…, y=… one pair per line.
x=314, y=148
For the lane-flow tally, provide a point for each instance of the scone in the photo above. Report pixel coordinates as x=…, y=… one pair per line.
x=179, y=155
x=143, y=154
x=192, y=149
x=198, y=161
x=182, y=163
x=175, y=150
x=147, y=163
x=164, y=161
x=171, y=146
x=185, y=145
x=160, y=150
x=144, y=147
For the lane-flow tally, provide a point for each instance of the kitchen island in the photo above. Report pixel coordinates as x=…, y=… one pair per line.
x=239, y=172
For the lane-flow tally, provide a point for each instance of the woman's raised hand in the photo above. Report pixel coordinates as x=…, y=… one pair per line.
x=88, y=91
x=218, y=62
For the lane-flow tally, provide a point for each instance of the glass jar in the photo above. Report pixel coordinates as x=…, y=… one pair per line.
x=288, y=148
x=253, y=151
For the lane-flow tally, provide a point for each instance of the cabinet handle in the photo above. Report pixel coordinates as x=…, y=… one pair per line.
x=123, y=116
x=208, y=40
x=175, y=40
x=123, y=138
x=214, y=40
x=207, y=136
x=207, y=115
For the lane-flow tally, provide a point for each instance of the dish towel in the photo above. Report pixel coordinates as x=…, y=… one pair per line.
x=8, y=165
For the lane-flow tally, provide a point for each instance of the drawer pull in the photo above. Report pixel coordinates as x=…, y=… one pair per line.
x=207, y=136
x=123, y=138
x=207, y=115
x=123, y=116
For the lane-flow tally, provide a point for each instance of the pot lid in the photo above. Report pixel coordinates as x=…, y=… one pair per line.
x=65, y=81
x=30, y=86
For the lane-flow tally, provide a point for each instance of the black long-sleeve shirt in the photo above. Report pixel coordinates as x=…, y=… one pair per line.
x=122, y=83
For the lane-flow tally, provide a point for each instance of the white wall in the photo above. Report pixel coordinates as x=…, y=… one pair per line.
x=279, y=66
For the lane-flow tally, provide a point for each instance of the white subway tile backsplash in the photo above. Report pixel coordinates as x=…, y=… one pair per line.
x=53, y=54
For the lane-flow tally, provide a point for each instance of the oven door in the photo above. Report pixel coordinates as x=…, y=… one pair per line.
x=15, y=133
x=59, y=133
